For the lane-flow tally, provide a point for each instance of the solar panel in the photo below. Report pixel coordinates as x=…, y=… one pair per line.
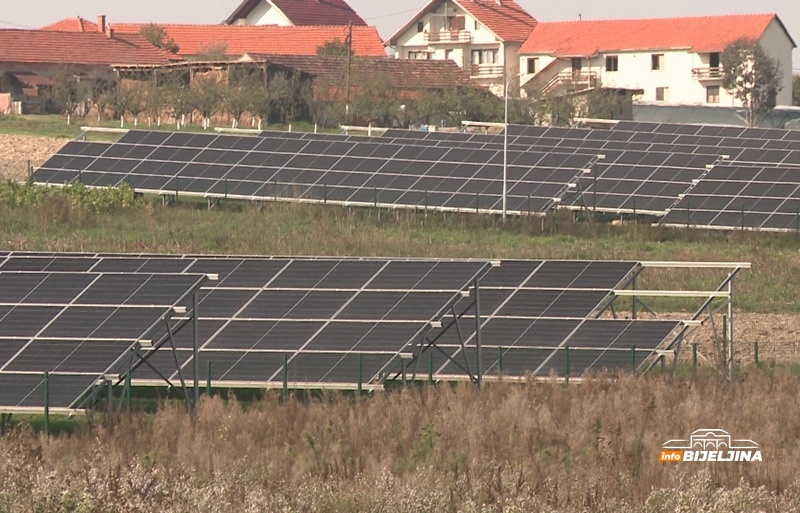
x=58, y=318
x=740, y=197
x=635, y=177
x=340, y=322
x=350, y=171
x=265, y=309
x=531, y=311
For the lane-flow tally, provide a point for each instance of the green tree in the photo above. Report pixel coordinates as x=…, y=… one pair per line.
x=796, y=90
x=752, y=77
x=213, y=52
x=336, y=48
x=206, y=94
x=158, y=37
x=66, y=91
x=238, y=91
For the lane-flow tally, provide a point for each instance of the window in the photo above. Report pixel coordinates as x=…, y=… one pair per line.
x=662, y=94
x=577, y=64
x=657, y=61
x=484, y=56
x=712, y=94
x=448, y=55
x=422, y=56
x=612, y=63
x=533, y=65
x=477, y=25
x=420, y=26
x=456, y=23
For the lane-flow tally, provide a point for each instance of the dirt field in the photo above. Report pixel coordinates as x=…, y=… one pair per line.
x=776, y=334
x=16, y=150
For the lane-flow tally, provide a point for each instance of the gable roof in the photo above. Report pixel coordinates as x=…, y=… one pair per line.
x=88, y=48
x=697, y=34
x=263, y=39
x=76, y=24
x=505, y=18
x=305, y=12
x=402, y=73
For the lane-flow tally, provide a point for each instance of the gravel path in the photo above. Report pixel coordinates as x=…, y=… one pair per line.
x=16, y=150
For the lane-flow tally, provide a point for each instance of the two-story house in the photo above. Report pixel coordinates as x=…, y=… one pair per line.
x=672, y=60
x=288, y=13
x=481, y=36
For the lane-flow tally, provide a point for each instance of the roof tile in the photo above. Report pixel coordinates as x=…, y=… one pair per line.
x=90, y=48
x=264, y=39
x=503, y=17
x=402, y=73
x=306, y=12
x=698, y=34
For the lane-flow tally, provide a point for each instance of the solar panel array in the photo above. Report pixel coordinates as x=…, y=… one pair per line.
x=349, y=171
x=632, y=177
x=74, y=323
x=741, y=197
x=532, y=311
x=336, y=322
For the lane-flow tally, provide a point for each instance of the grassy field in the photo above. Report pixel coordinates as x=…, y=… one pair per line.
x=58, y=224
x=508, y=448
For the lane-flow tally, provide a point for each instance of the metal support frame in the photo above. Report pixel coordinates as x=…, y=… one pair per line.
x=138, y=358
x=427, y=343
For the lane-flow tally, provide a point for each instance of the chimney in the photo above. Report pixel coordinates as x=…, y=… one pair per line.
x=109, y=32
x=101, y=23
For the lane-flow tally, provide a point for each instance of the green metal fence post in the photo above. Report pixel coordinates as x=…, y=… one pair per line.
x=633, y=358
x=375, y=194
x=430, y=368
x=477, y=202
x=663, y=363
x=529, y=204
x=688, y=213
x=694, y=358
x=426, y=200
x=285, y=377
x=208, y=379
x=755, y=352
x=128, y=392
x=47, y=404
x=405, y=375
x=324, y=194
x=360, y=372
x=566, y=364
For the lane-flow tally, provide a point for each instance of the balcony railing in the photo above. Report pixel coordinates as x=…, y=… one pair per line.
x=574, y=80
x=486, y=70
x=448, y=36
x=708, y=73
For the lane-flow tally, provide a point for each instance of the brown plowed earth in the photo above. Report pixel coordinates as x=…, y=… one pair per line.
x=777, y=335
x=17, y=150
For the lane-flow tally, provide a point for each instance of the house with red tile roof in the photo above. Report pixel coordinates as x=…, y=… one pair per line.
x=481, y=36
x=294, y=13
x=78, y=42
x=236, y=41
x=672, y=60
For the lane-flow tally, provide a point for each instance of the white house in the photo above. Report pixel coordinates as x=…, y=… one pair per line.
x=287, y=13
x=482, y=36
x=675, y=60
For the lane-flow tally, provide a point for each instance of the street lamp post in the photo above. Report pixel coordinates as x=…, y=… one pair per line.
x=505, y=149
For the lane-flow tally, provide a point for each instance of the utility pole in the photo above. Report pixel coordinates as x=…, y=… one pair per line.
x=349, y=43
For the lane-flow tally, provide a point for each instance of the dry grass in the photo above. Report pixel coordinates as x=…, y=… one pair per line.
x=534, y=447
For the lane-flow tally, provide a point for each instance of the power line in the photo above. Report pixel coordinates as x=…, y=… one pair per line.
x=16, y=24
x=390, y=15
